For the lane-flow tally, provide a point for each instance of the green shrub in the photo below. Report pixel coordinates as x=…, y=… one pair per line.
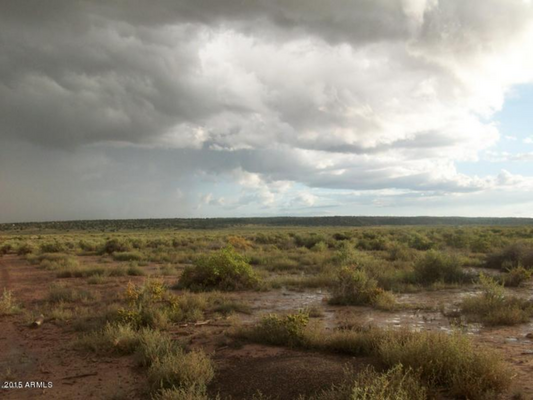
x=447, y=361
x=53, y=247
x=117, y=338
x=420, y=242
x=153, y=345
x=225, y=270
x=353, y=286
x=285, y=330
x=436, y=266
x=128, y=256
x=116, y=245
x=492, y=307
x=25, y=249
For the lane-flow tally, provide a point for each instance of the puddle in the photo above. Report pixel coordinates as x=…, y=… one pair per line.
x=422, y=310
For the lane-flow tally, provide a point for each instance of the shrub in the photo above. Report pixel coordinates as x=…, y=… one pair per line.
x=281, y=330
x=398, y=383
x=25, y=249
x=178, y=369
x=116, y=245
x=448, y=361
x=420, y=242
x=492, y=307
x=118, y=338
x=53, y=247
x=354, y=287
x=436, y=266
x=153, y=345
x=225, y=270
x=128, y=256
x=511, y=257
x=8, y=305
x=515, y=276
x=189, y=393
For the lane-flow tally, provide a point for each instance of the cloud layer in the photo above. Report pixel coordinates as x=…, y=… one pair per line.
x=351, y=96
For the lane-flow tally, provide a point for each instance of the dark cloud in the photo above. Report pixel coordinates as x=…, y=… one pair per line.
x=104, y=103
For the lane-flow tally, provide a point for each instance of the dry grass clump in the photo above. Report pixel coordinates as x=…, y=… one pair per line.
x=169, y=366
x=180, y=370
x=224, y=270
x=493, y=307
x=8, y=305
x=59, y=293
x=353, y=286
x=448, y=361
x=114, y=337
x=128, y=256
x=398, y=383
x=187, y=393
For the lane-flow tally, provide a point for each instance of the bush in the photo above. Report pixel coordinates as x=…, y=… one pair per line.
x=117, y=338
x=398, y=383
x=492, y=307
x=128, y=256
x=448, y=361
x=511, y=257
x=436, y=266
x=282, y=330
x=152, y=347
x=225, y=270
x=8, y=305
x=515, y=276
x=178, y=369
x=354, y=287
x=116, y=245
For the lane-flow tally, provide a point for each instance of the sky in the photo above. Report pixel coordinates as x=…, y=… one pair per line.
x=219, y=108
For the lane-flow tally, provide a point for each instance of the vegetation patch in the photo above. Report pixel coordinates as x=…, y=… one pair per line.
x=493, y=307
x=443, y=362
x=353, y=286
x=398, y=383
x=225, y=270
x=8, y=306
x=512, y=256
x=436, y=266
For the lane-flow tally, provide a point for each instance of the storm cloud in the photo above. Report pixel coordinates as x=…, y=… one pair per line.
x=143, y=109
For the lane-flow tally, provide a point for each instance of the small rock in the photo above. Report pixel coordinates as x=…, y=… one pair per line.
x=529, y=335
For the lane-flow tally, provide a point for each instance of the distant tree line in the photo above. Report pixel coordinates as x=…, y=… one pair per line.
x=218, y=223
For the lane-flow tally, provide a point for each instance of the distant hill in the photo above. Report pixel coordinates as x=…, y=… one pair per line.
x=214, y=223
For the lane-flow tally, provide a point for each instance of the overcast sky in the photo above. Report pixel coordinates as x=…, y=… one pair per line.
x=204, y=108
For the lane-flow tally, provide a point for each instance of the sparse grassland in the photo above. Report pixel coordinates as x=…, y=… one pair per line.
x=166, y=300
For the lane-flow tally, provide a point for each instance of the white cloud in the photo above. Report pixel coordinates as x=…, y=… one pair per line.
x=349, y=95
